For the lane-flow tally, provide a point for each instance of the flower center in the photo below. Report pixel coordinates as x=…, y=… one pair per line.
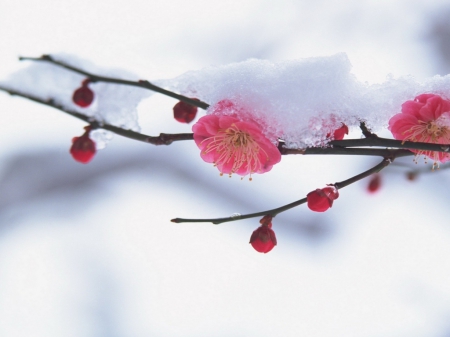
x=434, y=131
x=237, y=148
x=429, y=132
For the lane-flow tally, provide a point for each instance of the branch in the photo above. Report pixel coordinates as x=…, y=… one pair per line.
x=167, y=138
x=385, y=142
x=348, y=151
x=377, y=168
x=273, y=212
x=140, y=84
x=162, y=139
x=370, y=140
x=365, y=131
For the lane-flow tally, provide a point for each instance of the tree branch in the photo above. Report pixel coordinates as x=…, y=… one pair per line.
x=385, y=142
x=365, y=131
x=140, y=84
x=348, y=151
x=370, y=140
x=273, y=212
x=162, y=139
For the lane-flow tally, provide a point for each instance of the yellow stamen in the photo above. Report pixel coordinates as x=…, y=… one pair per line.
x=237, y=145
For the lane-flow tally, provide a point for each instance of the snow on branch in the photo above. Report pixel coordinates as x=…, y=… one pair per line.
x=257, y=111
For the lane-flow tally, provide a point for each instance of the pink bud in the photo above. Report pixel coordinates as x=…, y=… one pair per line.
x=374, y=183
x=184, y=112
x=322, y=199
x=411, y=176
x=83, y=148
x=263, y=238
x=83, y=96
x=341, y=132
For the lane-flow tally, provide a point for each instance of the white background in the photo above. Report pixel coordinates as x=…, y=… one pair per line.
x=88, y=250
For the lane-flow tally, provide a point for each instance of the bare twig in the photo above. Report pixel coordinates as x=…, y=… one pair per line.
x=140, y=84
x=162, y=139
x=385, y=142
x=166, y=138
x=273, y=212
x=366, y=132
x=348, y=151
x=377, y=168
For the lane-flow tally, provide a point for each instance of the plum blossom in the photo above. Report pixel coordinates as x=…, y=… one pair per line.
x=424, y=119
x=234, y=146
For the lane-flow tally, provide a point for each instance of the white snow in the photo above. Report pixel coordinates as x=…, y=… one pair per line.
x=113, y=103
x=98, y=256
x=301, y=101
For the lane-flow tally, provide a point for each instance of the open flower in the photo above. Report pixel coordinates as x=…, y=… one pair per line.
x=234, y=146
x=322, y=198
x=425, y=119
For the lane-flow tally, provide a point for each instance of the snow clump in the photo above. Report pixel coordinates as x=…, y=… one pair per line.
x=303, y=101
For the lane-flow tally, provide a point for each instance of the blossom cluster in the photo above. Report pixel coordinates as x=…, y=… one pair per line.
x=235, y=143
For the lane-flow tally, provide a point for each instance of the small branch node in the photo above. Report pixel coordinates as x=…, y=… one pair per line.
x=366, y=132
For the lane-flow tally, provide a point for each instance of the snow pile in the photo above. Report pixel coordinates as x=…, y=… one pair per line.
x=299, y=101
x=114, y=104
x=302, y=101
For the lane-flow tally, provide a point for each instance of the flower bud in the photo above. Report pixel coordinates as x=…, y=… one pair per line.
x=411, y=176
x=322, y=199
x=374, y=183
x=263, y=238
x=83, y=148
x=83, y=96
x=184, y=112
x=341, y=132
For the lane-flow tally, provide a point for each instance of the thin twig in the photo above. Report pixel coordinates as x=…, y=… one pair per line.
x=365, y=131
x=162, y=139
x=348, y=151
x=167, y=138
x=377, y=168
x=385, y=142
x=273, y=212
x=140, y=84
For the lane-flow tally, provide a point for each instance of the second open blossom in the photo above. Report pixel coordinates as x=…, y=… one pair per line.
x=234, y=146
x=425, y=119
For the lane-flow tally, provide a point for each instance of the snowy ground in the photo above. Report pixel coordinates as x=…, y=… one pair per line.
x=89, y=250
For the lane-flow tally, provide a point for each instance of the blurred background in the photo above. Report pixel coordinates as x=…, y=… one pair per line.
x=88, y=250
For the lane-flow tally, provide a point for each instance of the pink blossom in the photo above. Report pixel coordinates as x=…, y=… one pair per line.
x=234, y=146
x=425, y=119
